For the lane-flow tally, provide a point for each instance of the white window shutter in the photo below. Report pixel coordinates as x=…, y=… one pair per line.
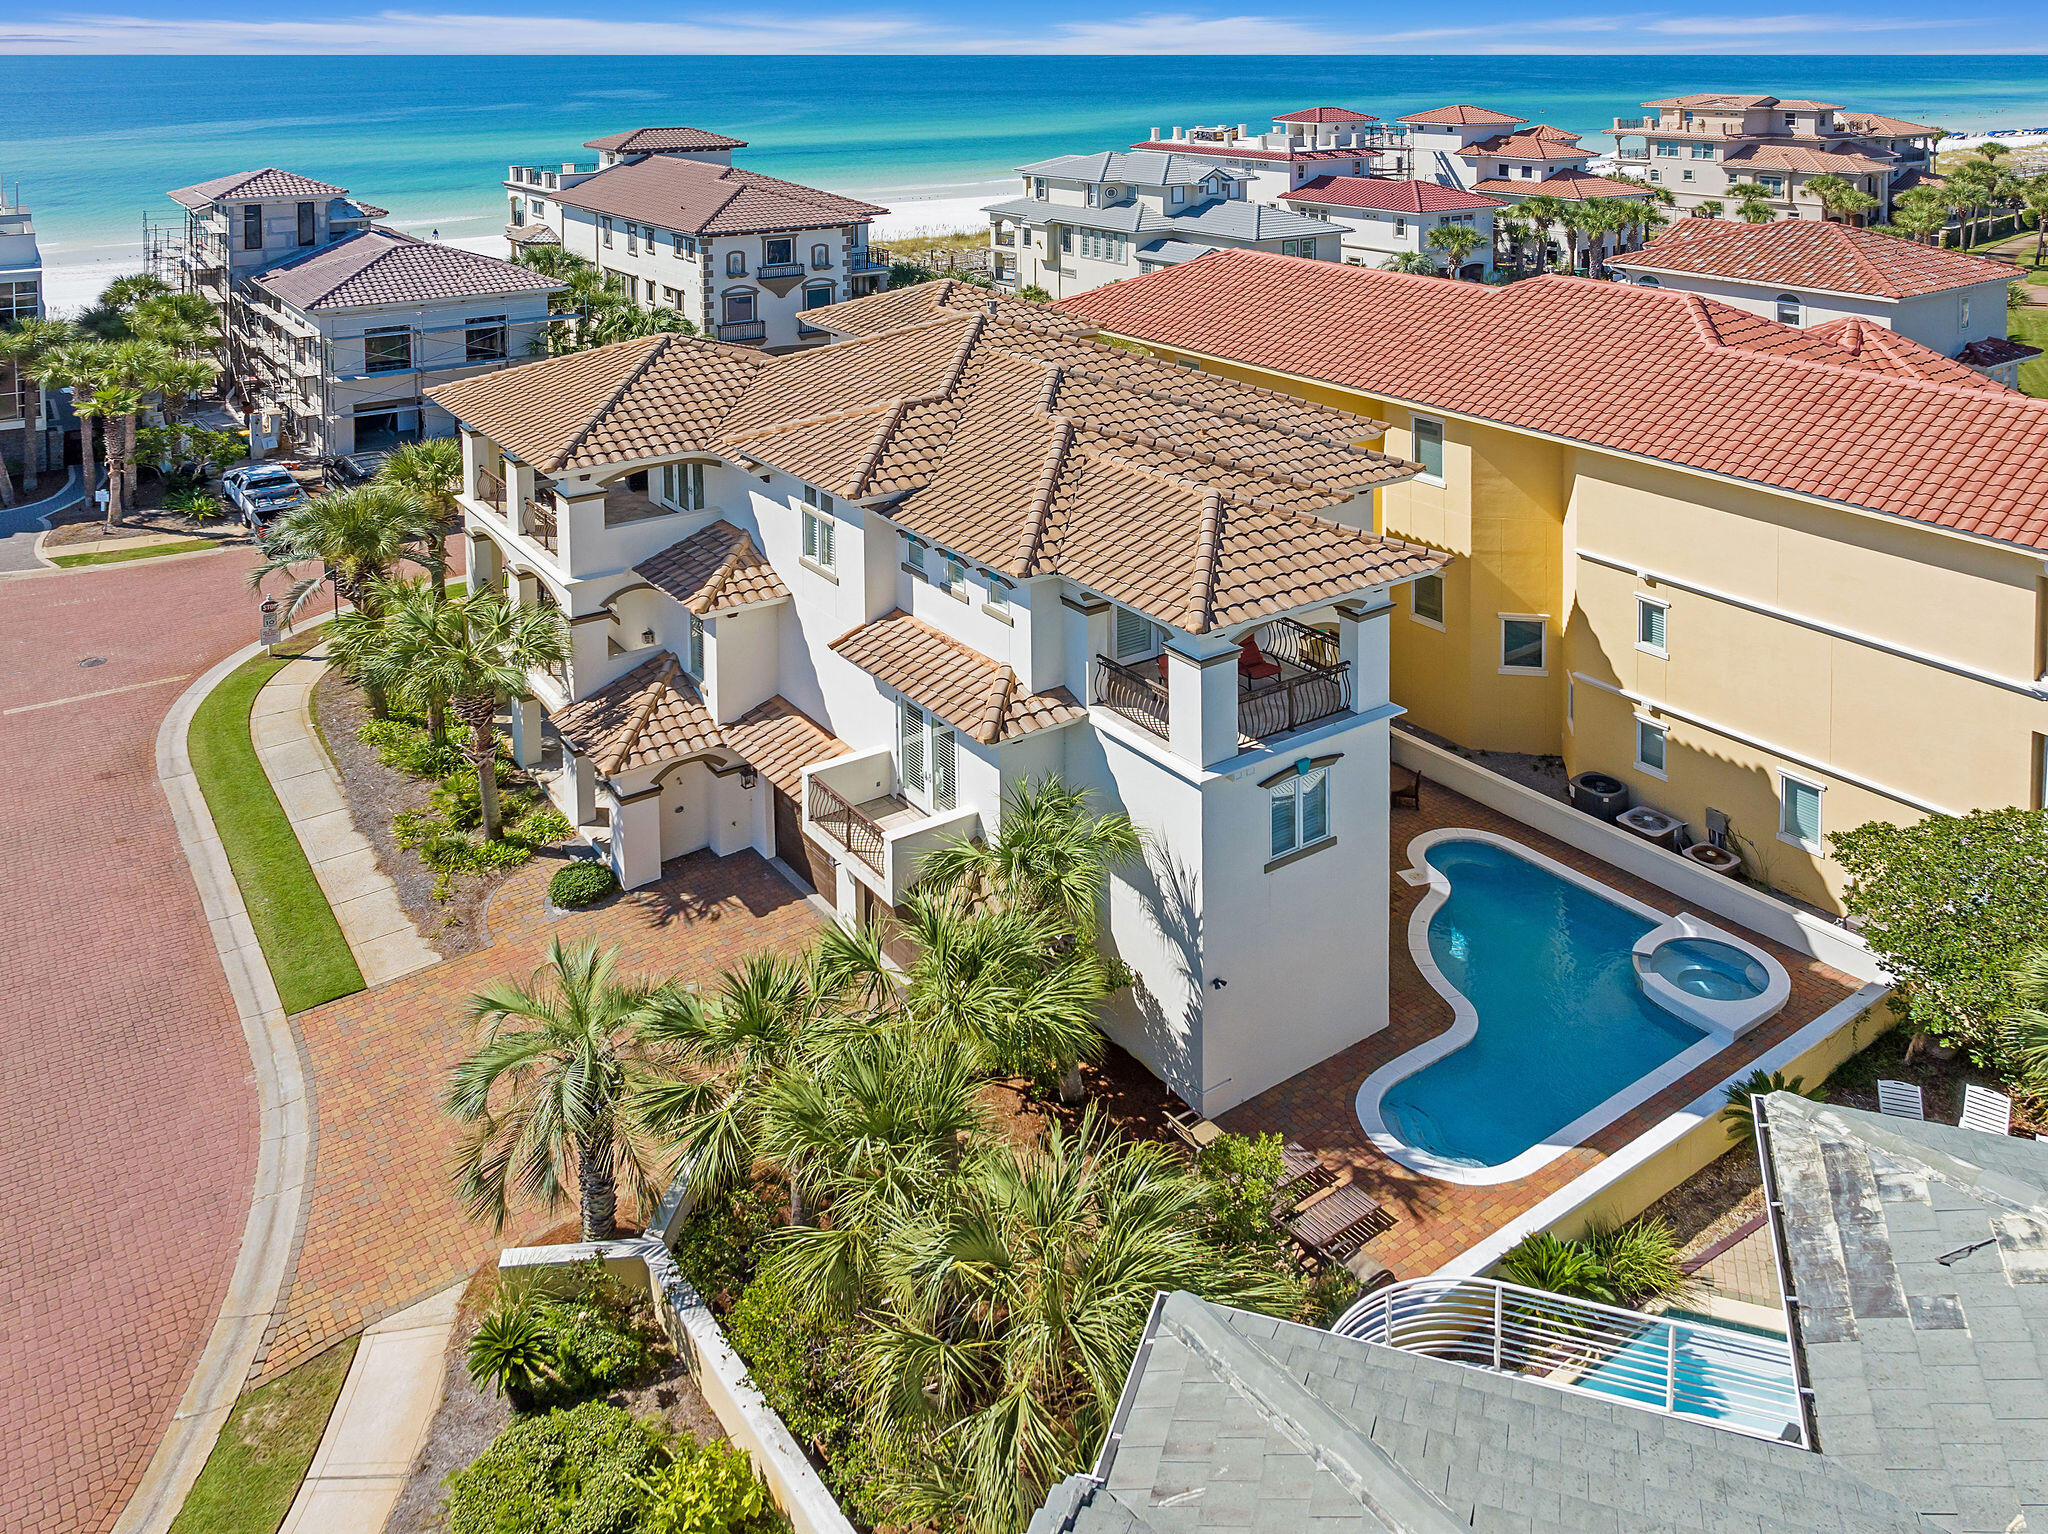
x=910, y=734
x=944, y=784
x=696, y=647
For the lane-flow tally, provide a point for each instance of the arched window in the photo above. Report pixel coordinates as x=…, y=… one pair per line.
x=1648, y=282
x=1789, y=309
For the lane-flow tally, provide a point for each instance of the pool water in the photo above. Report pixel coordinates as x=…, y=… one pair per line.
x=1738, y=1376
x=1563, y=1024
x=1708, y=969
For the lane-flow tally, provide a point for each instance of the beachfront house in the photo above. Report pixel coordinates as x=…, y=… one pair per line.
x=1299, y=147
x=23, y=407
x=1708, y=148
x=1845, y=280
x=334, y=326
x=667, y=215
x=1380, y=217
x=835, y=605
x=1775, y=582
x=1087, y=219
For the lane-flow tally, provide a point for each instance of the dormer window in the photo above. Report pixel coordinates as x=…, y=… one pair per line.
x=1790, y=310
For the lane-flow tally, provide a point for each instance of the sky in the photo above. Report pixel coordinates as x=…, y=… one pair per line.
x=1050, y=27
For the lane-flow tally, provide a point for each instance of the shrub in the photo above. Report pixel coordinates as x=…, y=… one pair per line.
x=579, y=1471
x=195, y=501
x=407, y=748
x=720, y=1243
x=592, y=1351
x=1543, y=1261
x=510, y=1352
x=1239, y=1174
x=708, y=1489
x=540, y=828
x=581, y=884
x=1640, y=1262
x=1759, y=1083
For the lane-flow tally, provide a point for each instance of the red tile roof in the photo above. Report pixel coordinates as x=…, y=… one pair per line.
x=1880, y=126
x=1848, y=158
x=1570, y=185
x=1389, y=196
x=1325, y=115
x=1804, y=253
x=696, y=197
x=655, y=140
x=1462, y=116
x=1641, y=371
x=1538, y=143
x=381, y=266
x=1735, y=103
x=1887, y=351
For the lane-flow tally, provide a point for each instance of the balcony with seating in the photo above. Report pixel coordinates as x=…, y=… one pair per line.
x=1289, y=676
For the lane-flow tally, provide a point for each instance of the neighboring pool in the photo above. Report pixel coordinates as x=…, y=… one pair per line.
x=1737, y=1376
x=1555, y=1035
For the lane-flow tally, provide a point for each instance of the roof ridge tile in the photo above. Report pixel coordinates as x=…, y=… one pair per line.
x=610, y=403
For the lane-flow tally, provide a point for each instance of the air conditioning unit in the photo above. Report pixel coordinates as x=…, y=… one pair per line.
x=1667, y=831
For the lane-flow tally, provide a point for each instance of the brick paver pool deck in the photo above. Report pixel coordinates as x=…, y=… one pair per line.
x=383, y=1229
x=1436, y=1221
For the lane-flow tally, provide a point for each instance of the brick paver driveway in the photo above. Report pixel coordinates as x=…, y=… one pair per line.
x=382, y=1229
x=127, y=1112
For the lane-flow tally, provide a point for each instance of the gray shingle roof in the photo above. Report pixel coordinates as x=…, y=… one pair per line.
x=1234, y=221
x=1233, y=1420
x=1927, y=1379
x=1139, y=168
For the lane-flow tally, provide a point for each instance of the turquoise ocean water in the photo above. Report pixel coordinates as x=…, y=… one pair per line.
x=95, y=142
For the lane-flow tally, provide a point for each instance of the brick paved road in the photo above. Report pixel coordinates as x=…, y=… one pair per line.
x=127, y=1112
x=383, y=1229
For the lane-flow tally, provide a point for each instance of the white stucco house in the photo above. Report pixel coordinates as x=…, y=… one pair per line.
x=23, y=410
x=1808, y=273
x=1381, y=218
x=1300, y=146
x=744, y=257
x=831, y=605
x=1088, y=219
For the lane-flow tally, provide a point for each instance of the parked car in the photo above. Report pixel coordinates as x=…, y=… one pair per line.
x=259, y=491
x=355, y=469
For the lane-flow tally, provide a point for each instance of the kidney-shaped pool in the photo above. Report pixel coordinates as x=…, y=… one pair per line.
x=1554, y=1032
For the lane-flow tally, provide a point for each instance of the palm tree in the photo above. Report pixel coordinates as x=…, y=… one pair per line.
x=24, y=344
x=2026, y=1027
x=1006, y=1311
x=549, y=1095
x=1839, y=200
x=76, y=364
x=1456, y=241
x=475, y=650
x=1920, y=214
x=1511, y=236
x=357, y=536
x=1713, y=207
x=1416, y=261
x=1542, y=211
x=429, y=473
x=1051, y=855
x=1754, y=205
x=2036, y=199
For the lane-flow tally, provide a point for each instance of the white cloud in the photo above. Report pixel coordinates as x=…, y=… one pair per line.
x=1782, y=26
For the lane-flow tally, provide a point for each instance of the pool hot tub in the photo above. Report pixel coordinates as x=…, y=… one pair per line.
x=1710, y=978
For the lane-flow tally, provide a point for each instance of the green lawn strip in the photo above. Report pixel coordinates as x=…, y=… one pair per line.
x=121, y=556
x=261, y=1457
x=309, y=957
x=2030, y=324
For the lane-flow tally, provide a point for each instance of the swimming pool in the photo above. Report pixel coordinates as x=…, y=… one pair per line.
x=1556, y=1029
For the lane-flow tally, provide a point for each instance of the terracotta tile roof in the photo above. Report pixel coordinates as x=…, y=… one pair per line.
x=780, y=740
x=1325, y=115
x=1461, y=116
x=1887, y=351
x=1389, y=196
x=1537, y=143
x=1805, y=253
x=715, y=569
x=1849, y=158
x=1568, y=185
x=960, y=685
x=651, y=715
x=1996, y=350
x=1736, y=103
x=696, y=197
x=637, y=399
x=1648, y=372
x=1877, y=125
x=896, y=307
x=656, y=140
x=381, y=266
x=255, y=186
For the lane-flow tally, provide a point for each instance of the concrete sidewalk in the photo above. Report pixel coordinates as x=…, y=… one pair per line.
x=379, y=1422
x=365, y=901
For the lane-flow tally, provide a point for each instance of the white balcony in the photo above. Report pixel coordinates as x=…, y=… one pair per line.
x=851, y=806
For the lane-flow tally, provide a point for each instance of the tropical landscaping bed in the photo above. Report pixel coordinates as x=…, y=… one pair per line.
x=407, y=812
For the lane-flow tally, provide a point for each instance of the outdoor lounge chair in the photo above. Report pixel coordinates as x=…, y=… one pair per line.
x=1901, y=1099
x=1302, y=1173
x=1986, y=1110
x=1252, y=665
x=1339, y=1223
x=1188, y=1126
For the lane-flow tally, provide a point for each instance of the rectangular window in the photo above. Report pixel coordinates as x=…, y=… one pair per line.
x=1650, y=744
x=1521, y=644
x=483, y=338
x=945, y=781
x=690, y=479
x=305, y=223
x=1300, y=811
x=1426, y=599
x=1651, y=617
x=673, y=297
x=632, y=239
x=1400, y=228
x=1799, y=811
x=605, y=226
x=818, y=296
x=739, y=307
x=1134, y=635
x=778, y=252
x=735, y=263
x=1966, y=314
x=252, y=227
x=1180, y=195
x=819, y=529
x=821, y=258
x=913, y=556
x=998, y=593
x=696, y=661
x=387, y=350
x=1429, y=448
x=679, y=247
x=956, y=578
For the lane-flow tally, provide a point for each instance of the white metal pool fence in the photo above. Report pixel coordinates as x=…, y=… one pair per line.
x=1740, y=1381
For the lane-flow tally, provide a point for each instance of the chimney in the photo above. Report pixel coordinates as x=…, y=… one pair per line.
x=568, y=167
x=1176, y=130
x=1155, y=135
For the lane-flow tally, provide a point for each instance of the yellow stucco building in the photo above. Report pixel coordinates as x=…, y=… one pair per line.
x=1738, y=566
